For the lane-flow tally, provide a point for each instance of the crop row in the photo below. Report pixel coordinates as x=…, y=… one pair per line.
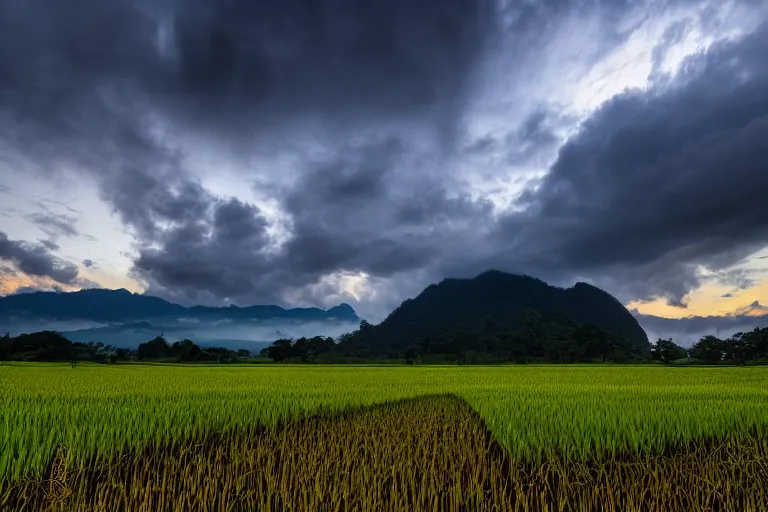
x=574, y=413
x=425, y=454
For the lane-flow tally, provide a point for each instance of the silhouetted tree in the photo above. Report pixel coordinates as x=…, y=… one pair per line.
x=411, y=355
x=709, y=349
x=279, y=351
x=756, y=342
x=667, y=351
x=186, y=351
x=39, y=346
x=154, y=349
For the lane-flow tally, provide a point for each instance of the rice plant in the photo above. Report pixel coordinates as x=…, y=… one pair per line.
x=545, y=438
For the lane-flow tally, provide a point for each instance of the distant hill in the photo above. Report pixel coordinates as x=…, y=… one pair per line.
x=122, y=306
x=498, y=307
x=130, y=335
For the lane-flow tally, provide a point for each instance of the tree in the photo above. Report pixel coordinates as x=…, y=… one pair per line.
x=756, y=342
x=302, y=350
x=39, y=346
x=667, y=351
x=218, y=354
x=124, y=354
x=186, y=351
x=411, y=355
x=279, y=351
x=709, y=349
x=365, y=327
x=155, y=348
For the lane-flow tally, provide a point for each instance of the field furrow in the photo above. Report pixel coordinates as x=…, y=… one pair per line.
x=424, y=454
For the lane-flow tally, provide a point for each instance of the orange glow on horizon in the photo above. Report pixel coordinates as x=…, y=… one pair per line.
x=10, y=283
x=709, y=300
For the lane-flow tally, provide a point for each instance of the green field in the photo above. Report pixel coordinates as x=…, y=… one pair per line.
x=536, y=413
x=530, y=410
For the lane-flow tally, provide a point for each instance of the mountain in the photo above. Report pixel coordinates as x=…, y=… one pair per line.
x=95, y=305
x=500, y=305
x=132, y=334
x=125, y=319
x=121, y=306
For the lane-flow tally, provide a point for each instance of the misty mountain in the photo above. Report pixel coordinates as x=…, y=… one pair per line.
x=125, y=319
x=504, y=300
x=132, y=334
x=122, y=306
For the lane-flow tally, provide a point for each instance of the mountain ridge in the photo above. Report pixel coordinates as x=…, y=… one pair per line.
x=444, y=308
x=123, y=306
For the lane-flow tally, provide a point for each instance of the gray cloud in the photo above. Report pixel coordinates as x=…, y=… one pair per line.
x=36, y=260
x=673, y=35
x=89, y=264
x=354, y=213
x=681, y=303
x=54, y=225
x=50, y=245
x=217, y=253
x=740, y=279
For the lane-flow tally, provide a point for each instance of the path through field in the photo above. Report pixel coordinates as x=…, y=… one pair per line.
x=425, y=454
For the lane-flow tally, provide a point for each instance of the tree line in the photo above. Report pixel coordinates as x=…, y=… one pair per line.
x=533, y=338
x=739, y=349
x=50, y=346
x=537, y=338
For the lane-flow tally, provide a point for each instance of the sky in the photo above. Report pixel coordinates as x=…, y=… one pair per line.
x=312, y=152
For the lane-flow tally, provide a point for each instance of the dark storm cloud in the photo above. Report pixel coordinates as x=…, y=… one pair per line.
x=36, y=260
x=218, y=252
x=343, y=56
x=240, y=64
x=659, y=182
x=95, y=85
x=345, y=215
x=375, y=210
